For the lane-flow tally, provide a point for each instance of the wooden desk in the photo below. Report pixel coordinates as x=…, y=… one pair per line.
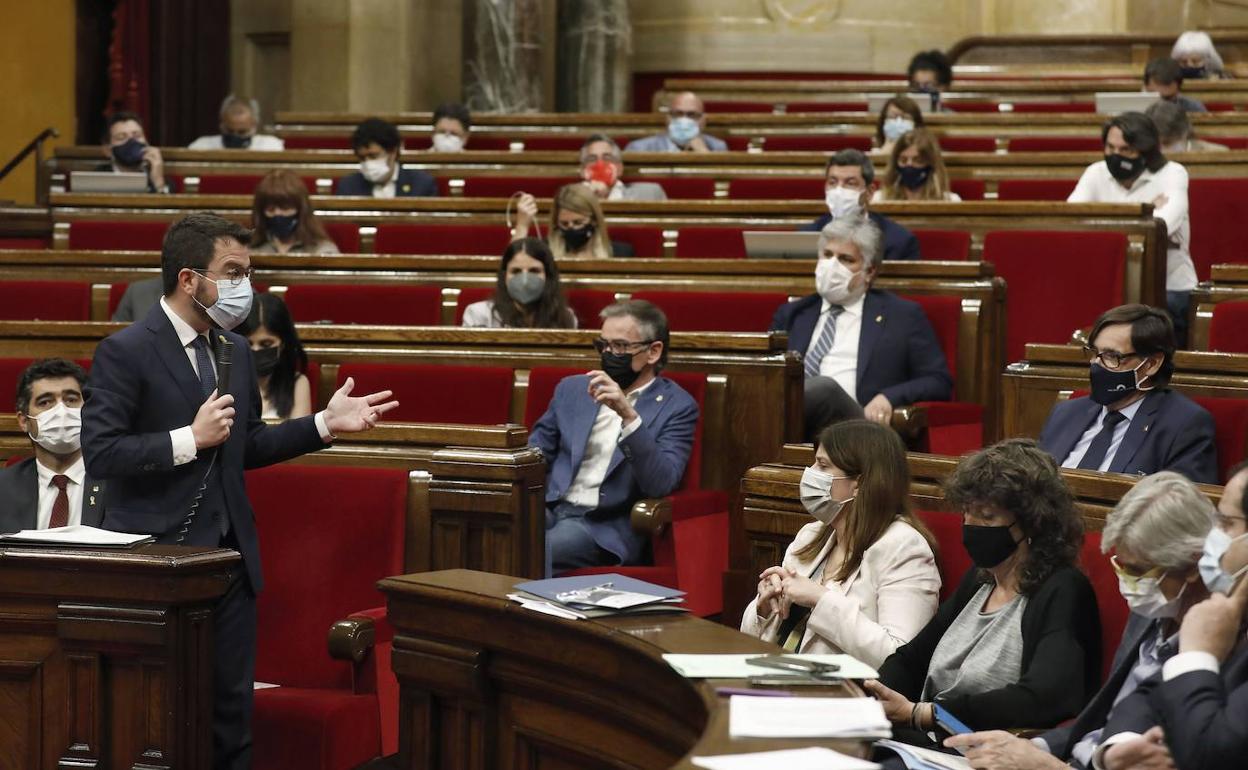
x=106, y=656
x=487, y=685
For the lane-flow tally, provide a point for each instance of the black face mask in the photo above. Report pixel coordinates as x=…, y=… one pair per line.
x=281, y=226
x=130, y=153
x=266, y=360
x=574, y=239
x=1109, y=387
x=914, y=177
x=1192, y=73
x=1122, y=169
x=619, y=367
x=988, y=546
x=235, y=141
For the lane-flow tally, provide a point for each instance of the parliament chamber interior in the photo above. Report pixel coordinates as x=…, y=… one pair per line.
x=900, y=348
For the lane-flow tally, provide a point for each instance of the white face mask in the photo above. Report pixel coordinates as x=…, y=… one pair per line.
x=375, y=170
x=843, y=202
x=443, y=142
x=1218, y=580
x=836, y=283
x=60, y=429
x=895, y=128
x=233, y=303
x=816, y=492
x=1148, y=600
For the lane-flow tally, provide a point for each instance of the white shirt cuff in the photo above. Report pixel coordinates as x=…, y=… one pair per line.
x=183, y=440
x=629, y=429
x=321, y=427
x=1186, y=662
x=1098, y=755
x=1042, y=744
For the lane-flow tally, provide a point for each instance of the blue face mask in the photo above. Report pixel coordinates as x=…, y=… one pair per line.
x=895, y=128
x=130, y=153
x=233, y=303
x=1217, y=580
x=683, y=130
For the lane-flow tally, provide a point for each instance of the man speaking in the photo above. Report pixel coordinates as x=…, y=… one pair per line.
x=159, y=424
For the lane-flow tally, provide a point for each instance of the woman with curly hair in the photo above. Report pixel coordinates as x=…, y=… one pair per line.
x=1018, y=644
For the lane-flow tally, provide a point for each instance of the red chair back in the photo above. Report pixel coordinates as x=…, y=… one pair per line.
x=506, y=186
x=1110, y=604
x=468, y=296
x=1028, y=260
x=968, y=106
x=1233, y=142
x=1025, y=107
x=442, y=239
x=117, y=236
x=705, y=311
x=646, y=241
x=710, y=241
x=1056, y=144
x=944, y=244
x=586, y=304
x=45, y=301
x=360, y=304
x=826, y=107
x=240, y=184
x=1230, y=421
x=722, y=106
x=952, y=560
x=944, y=313
x=968, y=189
x=1217, y=208
x=680, y=188
x=11, y=371
x=466, y=395
x=781, y=189
x=968, y=144
x=1227, y=327
x=345, y=235
x=317, y=142
x=1035, y=189
x=816, y=143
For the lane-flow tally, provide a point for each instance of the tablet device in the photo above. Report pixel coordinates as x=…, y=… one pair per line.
x=1118, y=102
x=778, y=244
x=107, y=182
x=925, y=100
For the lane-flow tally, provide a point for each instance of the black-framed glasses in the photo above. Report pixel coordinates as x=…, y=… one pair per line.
x=234, y=275
x=621, y=347
x=1110, y=359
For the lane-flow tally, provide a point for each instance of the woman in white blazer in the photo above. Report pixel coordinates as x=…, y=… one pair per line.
x=861, y=578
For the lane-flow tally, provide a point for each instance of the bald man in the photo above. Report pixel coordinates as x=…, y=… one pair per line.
x=240, y=119
x=686, y=120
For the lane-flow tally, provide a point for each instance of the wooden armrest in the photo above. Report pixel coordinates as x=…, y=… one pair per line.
x=910, y=422
x=650, y=516
x=351, y=639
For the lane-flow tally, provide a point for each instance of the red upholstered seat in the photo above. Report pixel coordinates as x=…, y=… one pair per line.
x=680, y=187
x=797, y=188
x=705, y=311
x=944, y=244
x=1109, y=602
x=1233, y=142
x=710, y=241
x=469, y=295
x=646, y=240
x=240, y=184
x=817, y=143
x=586, y=304
x=1228, y=330
x=952, y=560
x=314, y=576
x=1230, y=420
x=737, y=143
x=363, y=304
x=346, y=235
x=45, y=301
x=1056, y=144
x=506, y=186
x=826, y=107
x=1217, y=209
x=1041, y=309
x=466, y=395
x=477, y=143
x=11, y=370
x=1054, y=107
x=968, y=189
x=443, y=239
x=1035, y=189
x=23, y=243
x=968, y=144
x=114, y=236
x=1220, y=106
x=971, y=106
x=552, y=142
x=317, y=142
x=718, y=107
x=953, y=427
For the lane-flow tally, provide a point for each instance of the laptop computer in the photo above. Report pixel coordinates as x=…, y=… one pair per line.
x=774, y=244
x=107, y=182
x=876, y=102
x=1118, y=102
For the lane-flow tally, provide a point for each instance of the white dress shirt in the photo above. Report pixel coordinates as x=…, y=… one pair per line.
x=388, y=189
x=606, y=434
x=1120, y=430
x=1097, y=185
x=48, y=492
x=183, y=439
x=259, y=142
x=841, y=361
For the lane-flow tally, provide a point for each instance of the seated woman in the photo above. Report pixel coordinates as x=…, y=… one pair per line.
x=900, y=116
x=916, y=171
x=1195, y=53
x=527, y=293
x=578, y=228
x=1018, y=644
x=861, y=578
x=283, y=220
x=280, y=360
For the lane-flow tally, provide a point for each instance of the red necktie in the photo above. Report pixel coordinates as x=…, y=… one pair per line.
x=60, y=508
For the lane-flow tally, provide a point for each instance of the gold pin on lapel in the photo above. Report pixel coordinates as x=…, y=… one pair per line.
x=658, y=398
x=407, y=188
x=879, y=319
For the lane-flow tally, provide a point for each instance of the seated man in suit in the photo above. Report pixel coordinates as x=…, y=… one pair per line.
x=849, y=185
x=127, y=150
x=1132, y=422
x=1158, y=532
x=52, y=488
x=603, y=170
x=610, y=438
x=377, y=144
x=866, y=350
x=686, y=122
x=138, y=299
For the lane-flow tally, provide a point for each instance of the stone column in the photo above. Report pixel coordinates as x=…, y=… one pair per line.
x=503, y=55
x=594, y=72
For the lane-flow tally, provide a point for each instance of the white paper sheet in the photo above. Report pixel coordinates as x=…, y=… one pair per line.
x=77, y=534
x=926, y=758
x=812, y=758
x=755, y=717
x=735, y=667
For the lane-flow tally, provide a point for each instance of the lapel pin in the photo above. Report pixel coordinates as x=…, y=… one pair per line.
x=1146, y=427
x=879, y=319
x=658, y=398
x=95, y=487
x=407, y=188
x=92, y=502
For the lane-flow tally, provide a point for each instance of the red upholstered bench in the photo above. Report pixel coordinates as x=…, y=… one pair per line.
x=1230, y=421
x=442, y=239
x=710, y=241
x=968, y=189
x=476, y=143
x=466, y=395
x=506, y=186
x=317, y=142
x=1233, y=142
x=1056, y=144
x=11, y=370
x=468, y=296
x=1109, y=602
x=316, y=574
x=346, y=235
x=23, y=243
x=362, y=304
x=754, y=107
x=586, y=304
x=680, y=187
x=776, y=189
x=240, y=184
x=816, y=143
x=1026, y=107
x=944, y=244
x=826, y=107
x=704, y=311
x=952, y=560
x=954, y=427
x=971, y=106
x=1217, y=208
x=114, y=236
x=1035, y=189
x=968, y=144
x=1228, y=329
x=647, y=241
x=1028, y=260
x=45, y=301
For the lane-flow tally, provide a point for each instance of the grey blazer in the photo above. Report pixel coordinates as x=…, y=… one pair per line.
x=140, y=297
x=19, y=498
x=644, y=191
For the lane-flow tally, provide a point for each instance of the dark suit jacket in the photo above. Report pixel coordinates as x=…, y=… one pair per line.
x=141, y=387
x=411, y=184
x=1062, y=740
x=898, y=354
x=899, y=243
x=19, y=497
x=1170, y=432
x=139, y=298
x=1204, y=715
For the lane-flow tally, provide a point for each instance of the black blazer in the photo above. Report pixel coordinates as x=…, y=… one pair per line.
x=1061, y=657
x=141, y=387
x=19, y=497
x=898, y=354
x=1204, y=715
x=411, y=184
x=1170, y=432
x=899, y=243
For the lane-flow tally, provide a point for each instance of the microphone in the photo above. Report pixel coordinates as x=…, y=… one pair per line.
x=225, y=355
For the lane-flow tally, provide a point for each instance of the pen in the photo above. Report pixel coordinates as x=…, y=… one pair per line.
x=748, y=691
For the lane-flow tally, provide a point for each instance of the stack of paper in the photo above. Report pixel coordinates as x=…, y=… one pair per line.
x=925, y=759
x=755, y=717
x=592, y=596
x=76, y=536
x=735, y=666
x=813, y=758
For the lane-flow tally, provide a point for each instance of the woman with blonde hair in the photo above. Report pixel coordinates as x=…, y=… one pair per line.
x=861, y=577
x=916, y=171
x=283, y=220
x=578, y=227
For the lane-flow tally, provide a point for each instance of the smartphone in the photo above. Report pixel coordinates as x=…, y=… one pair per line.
x=796, y=665
x=792, y=680
x=948, y=722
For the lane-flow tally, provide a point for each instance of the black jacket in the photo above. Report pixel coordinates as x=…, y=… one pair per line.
x=19, y=497
x=411, y=184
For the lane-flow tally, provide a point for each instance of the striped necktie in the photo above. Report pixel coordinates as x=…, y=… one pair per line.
x=814, y=356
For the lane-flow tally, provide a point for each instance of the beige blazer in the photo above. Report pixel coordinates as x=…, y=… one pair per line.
x=878, y=608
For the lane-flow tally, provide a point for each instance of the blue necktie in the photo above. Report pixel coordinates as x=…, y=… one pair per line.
x=815, y=355
x=1099, y=447
x=203, y=361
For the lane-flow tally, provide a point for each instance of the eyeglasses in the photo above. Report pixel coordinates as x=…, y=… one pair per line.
x=684, y=114
x=1132, y=576
x=1108, y=358
x=235, y=275
x=620, y=347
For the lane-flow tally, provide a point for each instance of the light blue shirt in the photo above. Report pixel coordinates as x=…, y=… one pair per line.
x=1120, y=430
x=663, y=143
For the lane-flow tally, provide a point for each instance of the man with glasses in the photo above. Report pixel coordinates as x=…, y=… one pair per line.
x=603, y=171
x=159, y=424
x=611, y=437
x=1132, y=422
x=686, y=120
